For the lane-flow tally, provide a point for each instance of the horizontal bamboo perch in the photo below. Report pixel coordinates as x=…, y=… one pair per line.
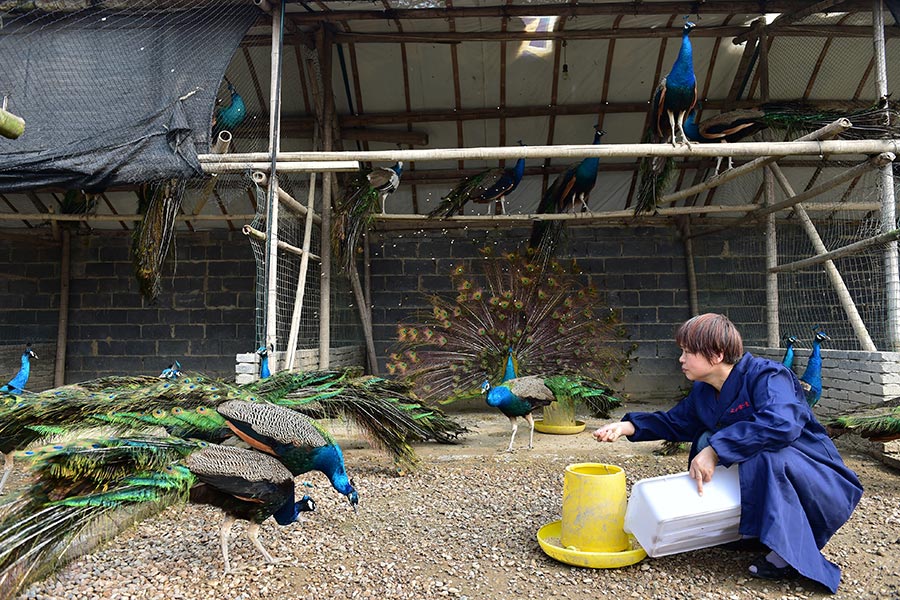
x=827, y=132
x=848, y=250
x=228, y=163
x=84, y=218
x=262, y=179
x=261, y=236
x=212, y=161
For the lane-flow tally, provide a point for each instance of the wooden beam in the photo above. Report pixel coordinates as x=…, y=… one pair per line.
x=566, y=10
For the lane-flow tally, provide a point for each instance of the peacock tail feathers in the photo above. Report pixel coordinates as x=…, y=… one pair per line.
x=594, y=394
x=464, y=190
x=551, y=321
x=354, y=213
x=159, y=203
x=878, y=423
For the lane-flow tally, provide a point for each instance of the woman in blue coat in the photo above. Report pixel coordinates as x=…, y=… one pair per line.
x=796, y=491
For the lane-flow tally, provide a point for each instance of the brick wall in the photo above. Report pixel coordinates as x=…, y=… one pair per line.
x=203, y=317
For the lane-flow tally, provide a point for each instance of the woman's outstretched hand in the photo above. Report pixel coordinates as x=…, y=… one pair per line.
x=703, y=466
x=613, y=431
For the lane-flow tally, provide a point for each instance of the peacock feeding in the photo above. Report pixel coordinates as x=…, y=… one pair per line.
x=519, y=396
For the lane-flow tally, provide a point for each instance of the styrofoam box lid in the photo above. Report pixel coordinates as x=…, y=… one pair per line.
x=667, y=515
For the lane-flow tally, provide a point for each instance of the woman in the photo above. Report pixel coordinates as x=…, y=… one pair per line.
x=795, y=489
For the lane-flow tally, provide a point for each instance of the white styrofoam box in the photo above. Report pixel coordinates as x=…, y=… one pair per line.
x=666, y=515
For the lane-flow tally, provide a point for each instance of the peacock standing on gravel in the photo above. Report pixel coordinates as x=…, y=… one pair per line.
x=878, y=422
x=811, y=380
x=366, y=191
x=518, y=397
x=17, y=384
x=570, y=188
x=490, y=185
x=81, y=489
x=541, y=316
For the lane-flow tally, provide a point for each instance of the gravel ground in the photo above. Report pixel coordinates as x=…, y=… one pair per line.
x=462, y=526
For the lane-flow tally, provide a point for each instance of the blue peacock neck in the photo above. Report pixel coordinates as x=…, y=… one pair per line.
x=330, y=461
x=682, y=73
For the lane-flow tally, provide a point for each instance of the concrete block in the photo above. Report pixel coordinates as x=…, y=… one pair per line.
x=242, y=379
x=248, y=357
x=246, y=369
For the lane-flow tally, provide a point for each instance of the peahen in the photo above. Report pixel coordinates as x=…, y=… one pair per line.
x=570, y=188
x=518, y=397
x=878, y=422
x=16, y=385
x=811, y=380
x=363, y=194
x=490, y=185
x=229, y=117
x=788, y=358
x=78, y=487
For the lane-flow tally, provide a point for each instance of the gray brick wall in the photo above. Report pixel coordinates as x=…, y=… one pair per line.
x=203, y=317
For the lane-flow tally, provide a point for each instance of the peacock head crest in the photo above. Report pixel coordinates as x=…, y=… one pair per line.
x=485, y=387
x=688, y=25
x=29, y=352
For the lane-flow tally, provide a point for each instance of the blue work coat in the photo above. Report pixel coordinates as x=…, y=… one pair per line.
x=796, y=491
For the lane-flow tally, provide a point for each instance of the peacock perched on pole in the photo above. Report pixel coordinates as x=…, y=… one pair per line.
x=490, y=185
x=230, y=116
x=791, y=118
x=673, y=100
x=78, y=489
x=539, y=315
x=571, y=188
x=368, y=189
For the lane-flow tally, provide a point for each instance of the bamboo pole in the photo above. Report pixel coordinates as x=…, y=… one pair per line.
x=222, y=145
x=261, y=179
x=737, y=149
x=685, y=231
x=271, y=314
x=301, y=280
x=848, y=250
x=323, y=46
x=888, y=201
x=831, y=270
x=282, y=245
x=62, y=327
x=223, y=165
x=773, y=331
x=830, y=130
x=87, y=218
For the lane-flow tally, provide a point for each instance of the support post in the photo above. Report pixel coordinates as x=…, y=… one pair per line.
x=62, y=327
x=773, y=332
x=301, y=280
x=888, y=202
x=271, y=320
x=843, y=294
x=323, y=45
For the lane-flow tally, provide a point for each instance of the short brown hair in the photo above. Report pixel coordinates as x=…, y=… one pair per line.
x=710, y=334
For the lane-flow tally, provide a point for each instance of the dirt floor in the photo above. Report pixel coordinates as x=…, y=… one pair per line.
x=464, y=526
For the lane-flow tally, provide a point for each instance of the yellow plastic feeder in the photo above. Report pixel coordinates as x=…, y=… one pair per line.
x=592, y=530
x=559, y=419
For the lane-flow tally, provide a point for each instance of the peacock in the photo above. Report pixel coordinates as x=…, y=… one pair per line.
x=788, y=358
x=540, y=316
x=811, y=380
x=229, y=117
x=78, y=488
x=878, y=422
x=365, y=192
x=570, y=188
x=490, y=185
x=519, y=396
x=673, y=101
x=263, y=352
x=173, y=371
x=17, y=384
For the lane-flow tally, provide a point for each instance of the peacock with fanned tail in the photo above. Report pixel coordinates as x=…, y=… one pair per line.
x=78, y=487
x=519, y=396
x=490, y=185
x=571, y=188
x=540, y=317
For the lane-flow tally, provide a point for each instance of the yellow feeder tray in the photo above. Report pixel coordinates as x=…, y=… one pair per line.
x=548, y=538
x=540, y=425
